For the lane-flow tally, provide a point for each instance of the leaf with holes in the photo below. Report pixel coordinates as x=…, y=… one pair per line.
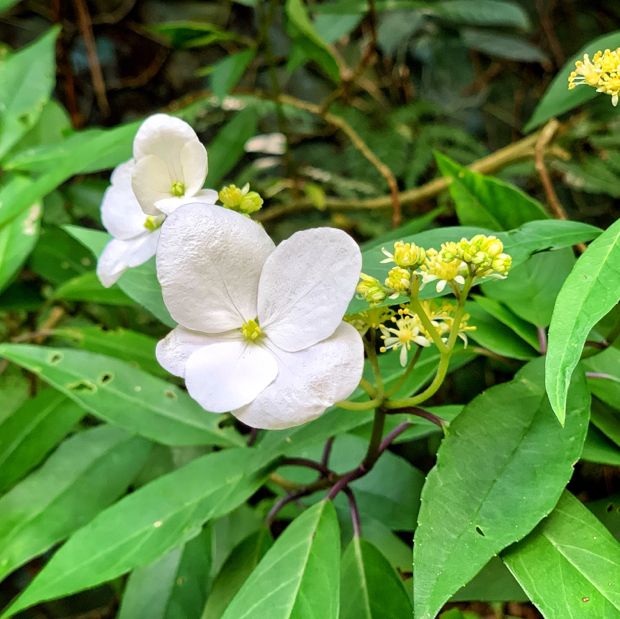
x=570, y=564
x=84, y=475
x=123, y=395
x=500, y=470
x=148, y=523
x=300, y=574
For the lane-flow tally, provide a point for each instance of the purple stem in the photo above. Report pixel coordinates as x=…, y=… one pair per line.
x=310, y=464
x=396, y=432
x=601, y=375
x=542, y=340
x=355, y=514
x=327, y=450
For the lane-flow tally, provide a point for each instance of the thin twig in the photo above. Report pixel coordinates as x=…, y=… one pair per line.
x=307, y=463
x=355, y=514
x=420, y=412
x=327, y=450
x=393, y=435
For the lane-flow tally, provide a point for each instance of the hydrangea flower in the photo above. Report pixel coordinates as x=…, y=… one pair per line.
x=260, y=327
x=134, y=219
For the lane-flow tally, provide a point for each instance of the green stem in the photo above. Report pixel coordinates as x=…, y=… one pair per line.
x=406, y=374
x=359, y=406
x=424, y=319
x=371, y=352
x=372, y=453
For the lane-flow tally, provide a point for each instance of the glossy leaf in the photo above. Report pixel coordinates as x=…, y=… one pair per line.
x=500, y=470
x=590, y=291
x=369, y=587
x=123, y=395
x=569, y=565
x=87, y=287
x=30, y=432
x=27, y=79
x=299, y=576
x=84, y=475
x=147, y=524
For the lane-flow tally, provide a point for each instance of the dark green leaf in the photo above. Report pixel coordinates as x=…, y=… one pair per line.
x=226, y=73
x=598, y=448
x=502, y=45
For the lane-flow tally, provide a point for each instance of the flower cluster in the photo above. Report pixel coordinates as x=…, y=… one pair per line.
x=261, y=331
x=602, y=72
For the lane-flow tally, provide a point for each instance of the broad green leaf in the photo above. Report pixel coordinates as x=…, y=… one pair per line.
x=226, y=73
x=306, y=37
x=502, y=45
x=299, y=577
x=481, y=12
x=589, y=292
x=173, y=587
x=87, y=287
x=607, y=510
x=492, y=334
x=5, y=5
x=598, y=448
x=17, y=238
x=235, y=571
x=493, y=583
x=606, y=420
x=369, y=586
x=606, y=387
x=487, y=202
x=15, y=389
x=30, y=432
x=27, y=79
x=569, y=565
x=131, y=346
x=531, y=288
x=123, y=395
x=11, y=190
x=558, y=98
x=500, y=470
x=84, y=475
x=147, y=524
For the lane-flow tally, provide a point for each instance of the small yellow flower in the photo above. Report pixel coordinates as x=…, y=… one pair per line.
x=406, y=255
x=398, y=280
x=602, y=73
x=242, y=200
x=444, y=269
x=370, y=289
x=408, y=331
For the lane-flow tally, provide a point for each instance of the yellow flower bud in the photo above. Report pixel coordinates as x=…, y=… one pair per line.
x=370, y=289
x=231, y=196
x=398, y=280
x=250, y=203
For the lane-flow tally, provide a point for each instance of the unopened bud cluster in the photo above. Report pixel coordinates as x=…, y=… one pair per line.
x=602, y=72
x=242, y=200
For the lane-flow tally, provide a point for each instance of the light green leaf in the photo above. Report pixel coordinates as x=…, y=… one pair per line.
x=607, y=386
x=27, y=79
x=369, y=587
x=17, y=238
x=173, y=587
x=5, y=5
x=299, y=576
x=493, y=583
x=605, y=419
x=123, y=395
x=485, y=201
x=28, y=434
x=569, y=565
x=590, y=291
x=226, y=73
x=598, y=448
x=147, y=524
x=235, y=571
x=87, y=287
x=85, y=474
x=558, y=98
x=500, y=470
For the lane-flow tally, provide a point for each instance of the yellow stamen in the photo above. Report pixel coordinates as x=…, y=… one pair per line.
x=177, y=189
x=251, y=331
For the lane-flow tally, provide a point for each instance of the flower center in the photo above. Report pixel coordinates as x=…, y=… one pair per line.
x=251, y=331
x=151, y=223
x=177, y=189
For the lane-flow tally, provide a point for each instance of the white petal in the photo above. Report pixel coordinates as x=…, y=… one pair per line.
x=308, y=382
x=209, y=262
x=175, y=349
x=194, y=165
x=306, y=286
x=229, y=374
x=169, y=205
x=162, y=135
x=119, y=255
x=120, y=212
x=151, y=182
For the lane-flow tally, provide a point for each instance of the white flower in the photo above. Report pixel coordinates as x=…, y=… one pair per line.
x=171, y=166
x=135, y=234
x=261, y=331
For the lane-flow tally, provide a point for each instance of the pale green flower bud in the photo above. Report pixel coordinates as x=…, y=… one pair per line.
x=370, y=289
x=251, y=203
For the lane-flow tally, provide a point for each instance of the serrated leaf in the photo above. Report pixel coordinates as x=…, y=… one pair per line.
x=123, y=395
x=370, y=588
x=500, y=470
x=84, y=475
x=569, y=565
x=590, y=291
x=31, y=431
x=299, y=576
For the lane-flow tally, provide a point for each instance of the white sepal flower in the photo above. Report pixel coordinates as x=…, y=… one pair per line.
x=171, y=166
x=135, y=234
x=261, y=331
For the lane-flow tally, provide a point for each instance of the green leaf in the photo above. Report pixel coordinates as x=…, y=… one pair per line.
x=226, y=73
x=17, y=238
x=370, y=588
x=605, y=419
x=558, y=99
x=308, y=40
x=173, y=587
x=481, y=12
x=87, y=287
x=5, y=5
x=27, y=79
x=235, y=571
x=147, y=524
x=590, y=291
x=531, y=288
x=500, y=470
x=485, y=201
x=85, y=474
x=502, y=45
x=598, y=448
x=607, y=363
x=493, y=583
x=123, y=395
x=569, y=565
x=299, y=576
x=30, y=432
